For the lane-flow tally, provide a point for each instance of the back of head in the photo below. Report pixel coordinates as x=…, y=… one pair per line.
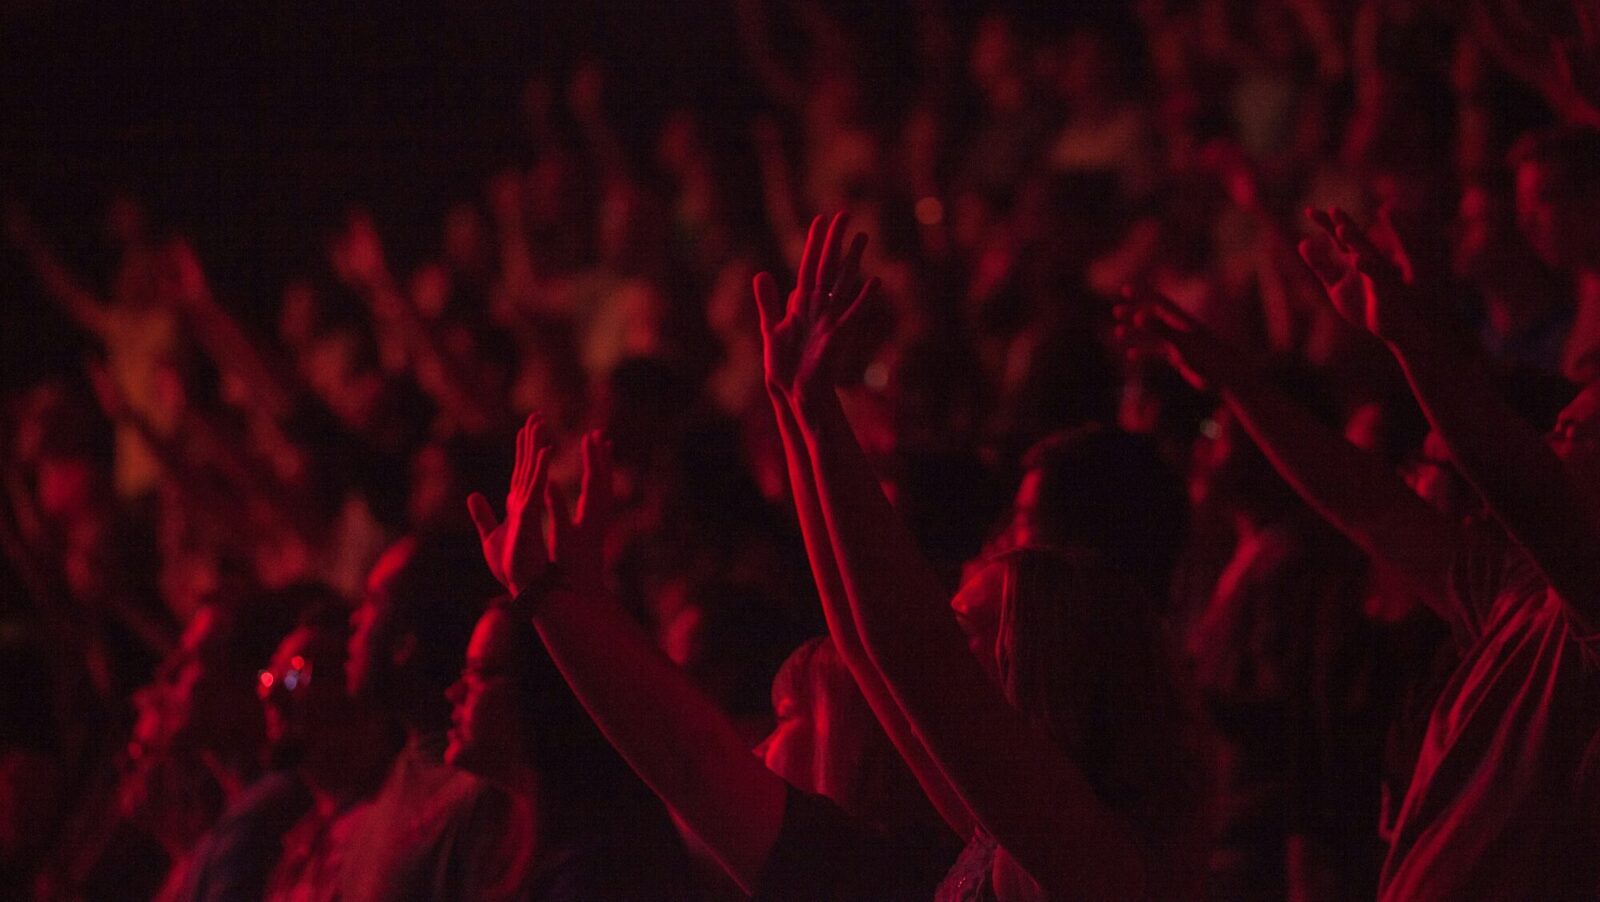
x=1084, y=654
x=1109, y=491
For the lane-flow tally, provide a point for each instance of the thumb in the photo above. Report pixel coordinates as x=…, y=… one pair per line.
x=1320, y=257
x=769, y=302
x=482, y=515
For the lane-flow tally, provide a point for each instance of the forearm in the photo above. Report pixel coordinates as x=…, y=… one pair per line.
x=679, y=743
x=1505, y=459
x=1051, y=821
x=842, y=628
x=893, y=593
x=1354, y=491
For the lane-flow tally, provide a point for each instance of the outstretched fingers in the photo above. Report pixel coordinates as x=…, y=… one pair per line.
x=863, y=298
x=769, y=301
x=828, y=263
x=482, y=514
x=845, y=281
x=1368, y=258
x=806, y=279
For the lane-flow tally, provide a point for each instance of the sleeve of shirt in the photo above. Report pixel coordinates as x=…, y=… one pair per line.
x=1476, y=579
x=822, y=853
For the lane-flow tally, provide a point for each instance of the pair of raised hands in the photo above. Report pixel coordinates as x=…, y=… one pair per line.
x=516, y=549
x=801, y=352
x=1366, y=274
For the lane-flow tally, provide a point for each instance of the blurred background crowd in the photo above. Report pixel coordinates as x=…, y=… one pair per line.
x=281, y=285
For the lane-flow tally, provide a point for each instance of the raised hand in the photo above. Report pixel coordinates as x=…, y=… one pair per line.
x=1369, y=285
x=800, y=337
x=187, y=285
x=579, y=540
x=1150, y=325
x=515, y=550
x=357, y=252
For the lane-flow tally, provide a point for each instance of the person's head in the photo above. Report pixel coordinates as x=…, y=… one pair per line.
x=827, y=741
x=302, y=688
x=200, y=707
x=1102, y=489
x=410, y=631
x=445, y=471
x=1077, y=646
x=200, y=698
x=514, y=721
x=490, y=734
x=1558, y=195
x=1576, y=440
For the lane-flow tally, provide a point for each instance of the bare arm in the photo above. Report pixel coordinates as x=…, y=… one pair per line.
x=1013, y=778
x=78, y=302
x=1351, y=489
x=782, y=326
x=223, y=338
x=676, y=739
x=1521, y=480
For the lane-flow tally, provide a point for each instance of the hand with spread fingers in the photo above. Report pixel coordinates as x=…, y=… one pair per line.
x=800, y=336
x=578, y=539
x=515, y=549
x=1149, y=325
x=1370, y=286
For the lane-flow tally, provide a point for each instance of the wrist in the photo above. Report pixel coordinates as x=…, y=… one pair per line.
x=813, y=397
x=529, y=595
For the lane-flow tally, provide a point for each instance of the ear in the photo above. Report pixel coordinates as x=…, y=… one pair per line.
x=403, y=650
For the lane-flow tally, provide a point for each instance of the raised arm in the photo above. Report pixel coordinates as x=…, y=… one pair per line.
x=785, y=324
x=1012, y=776
x=1520, y=478
x=675, y=738
x=1351, y=489
x=59, y=283
x=224, y=340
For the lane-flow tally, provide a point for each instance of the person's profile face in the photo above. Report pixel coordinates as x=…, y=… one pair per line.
x=302, y=690
x=794, y=749
x=1576, y=439
x=487, y=733
x=977, y=608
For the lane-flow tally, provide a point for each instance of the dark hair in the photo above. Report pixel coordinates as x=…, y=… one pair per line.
x=582, y=775
x=437, y=595
x=1109, y=491
x=1083, y=653
x=249, y=629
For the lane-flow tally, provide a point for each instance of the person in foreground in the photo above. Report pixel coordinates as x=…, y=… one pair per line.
x=1040, y=717
x=584, y=827
x=1500, y=804
x=775, y=840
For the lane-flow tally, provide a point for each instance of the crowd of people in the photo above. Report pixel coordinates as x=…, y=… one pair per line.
x=1175, y=474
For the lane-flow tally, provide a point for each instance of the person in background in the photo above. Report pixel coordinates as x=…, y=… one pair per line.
x=337, y=748
x=433, y=831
